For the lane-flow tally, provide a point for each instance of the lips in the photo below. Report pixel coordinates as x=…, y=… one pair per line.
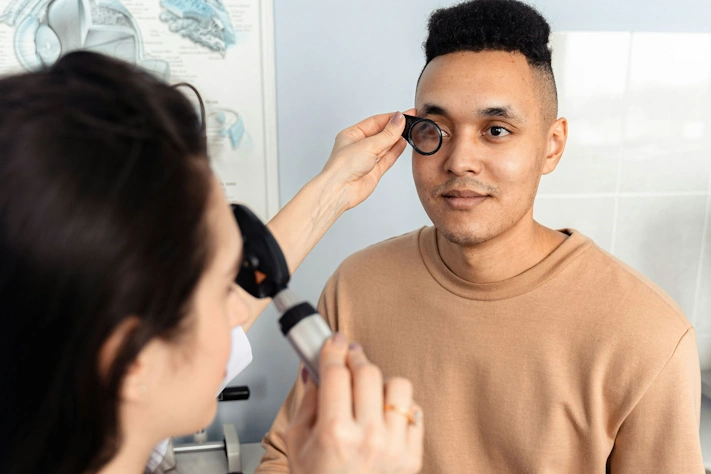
x=463, y=199
x=462, y=193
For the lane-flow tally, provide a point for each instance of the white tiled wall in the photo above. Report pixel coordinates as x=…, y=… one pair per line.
x=636, y=173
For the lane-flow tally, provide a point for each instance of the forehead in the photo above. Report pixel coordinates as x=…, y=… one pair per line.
x=477, y=80
x=223, y=228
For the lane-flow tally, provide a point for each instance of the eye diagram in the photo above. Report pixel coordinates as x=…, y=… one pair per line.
x=204, y=22
x=226, y=123
x=46, y=29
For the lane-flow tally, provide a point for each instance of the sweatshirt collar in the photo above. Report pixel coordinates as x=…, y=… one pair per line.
x=530, y=279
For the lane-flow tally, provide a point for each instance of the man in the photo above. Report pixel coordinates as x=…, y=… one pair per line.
x=530, y=350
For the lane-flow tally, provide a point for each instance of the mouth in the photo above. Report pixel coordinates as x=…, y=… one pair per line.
x=462, y=199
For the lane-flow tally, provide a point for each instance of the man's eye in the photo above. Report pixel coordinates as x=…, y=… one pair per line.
x=498, y=132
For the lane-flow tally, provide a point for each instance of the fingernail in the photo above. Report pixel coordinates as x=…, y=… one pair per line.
x=354, y=346
x=304, y=375
x=339, y=339
x=397, y=118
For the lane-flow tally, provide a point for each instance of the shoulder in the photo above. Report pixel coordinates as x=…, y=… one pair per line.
x=392, y=261
x=360, y=279
x=392, y=254
x=637, y=300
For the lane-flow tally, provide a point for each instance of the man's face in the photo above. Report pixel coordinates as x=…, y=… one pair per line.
x=484, y=179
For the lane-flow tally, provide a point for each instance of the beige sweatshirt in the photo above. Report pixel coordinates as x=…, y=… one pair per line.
x=578, y=365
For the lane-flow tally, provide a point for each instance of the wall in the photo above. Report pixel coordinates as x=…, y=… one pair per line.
x=635, y=176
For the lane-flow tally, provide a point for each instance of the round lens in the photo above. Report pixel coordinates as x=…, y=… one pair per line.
x=426, y=137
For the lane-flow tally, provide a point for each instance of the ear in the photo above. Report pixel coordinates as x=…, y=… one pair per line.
x=557, y=137
x=134, y=385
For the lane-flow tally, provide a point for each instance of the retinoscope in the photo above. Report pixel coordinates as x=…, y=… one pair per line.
x=264, y=273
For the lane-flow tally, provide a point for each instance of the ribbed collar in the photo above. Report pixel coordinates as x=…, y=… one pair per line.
x=532, y=278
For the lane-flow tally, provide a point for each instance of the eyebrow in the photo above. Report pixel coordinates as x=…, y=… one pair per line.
x=431, y=109
x=503, y=111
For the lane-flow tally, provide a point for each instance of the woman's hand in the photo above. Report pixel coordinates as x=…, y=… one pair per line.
x=362, y=154
x=350, y=423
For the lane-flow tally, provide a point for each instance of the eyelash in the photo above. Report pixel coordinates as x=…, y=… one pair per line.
x=508, y=132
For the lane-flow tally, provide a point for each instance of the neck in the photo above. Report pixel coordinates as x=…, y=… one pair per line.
x=132, y=456
x=502, y=257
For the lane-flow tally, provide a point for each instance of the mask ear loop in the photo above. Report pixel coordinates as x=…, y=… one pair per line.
x=203, y=124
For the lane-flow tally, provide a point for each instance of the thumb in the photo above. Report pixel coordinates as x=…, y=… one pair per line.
x=382, y=142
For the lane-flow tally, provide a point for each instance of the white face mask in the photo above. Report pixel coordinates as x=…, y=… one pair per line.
x=240, y=358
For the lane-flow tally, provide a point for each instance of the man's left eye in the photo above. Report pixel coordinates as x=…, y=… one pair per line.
x=498, y=131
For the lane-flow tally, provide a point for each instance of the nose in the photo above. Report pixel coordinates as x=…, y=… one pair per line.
x=464, y=156
x=237, y=307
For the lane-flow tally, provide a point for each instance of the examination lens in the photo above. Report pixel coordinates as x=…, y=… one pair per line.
x=422, y=134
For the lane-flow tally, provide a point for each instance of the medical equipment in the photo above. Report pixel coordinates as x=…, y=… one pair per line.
x=264, y=273
x=422, y=134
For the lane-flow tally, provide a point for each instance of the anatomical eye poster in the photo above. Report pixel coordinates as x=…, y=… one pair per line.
x=224, y=48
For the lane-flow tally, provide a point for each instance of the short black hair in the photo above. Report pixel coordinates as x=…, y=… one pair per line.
x=104, y=186
x=494, y=25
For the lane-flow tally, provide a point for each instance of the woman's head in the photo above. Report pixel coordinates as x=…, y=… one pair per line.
x=117, y=257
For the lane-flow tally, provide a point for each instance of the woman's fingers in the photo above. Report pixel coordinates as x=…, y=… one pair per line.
x=367, y=395
x=334, y=398
x=388, y=160
x=390, y=156
x=378, y=133
x=398, y=408
x=388, y=431
x=389, y=136
x=416, y=436
x=363, y=129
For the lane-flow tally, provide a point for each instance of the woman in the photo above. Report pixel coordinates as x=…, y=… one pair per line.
x=118, y=255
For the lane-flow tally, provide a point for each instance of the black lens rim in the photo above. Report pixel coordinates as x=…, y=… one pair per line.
x=410, y=122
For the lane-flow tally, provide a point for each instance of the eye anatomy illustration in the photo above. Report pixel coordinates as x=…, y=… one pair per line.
x=204, y=22
x=223, y=49
x=46, y=29
x=226, y=123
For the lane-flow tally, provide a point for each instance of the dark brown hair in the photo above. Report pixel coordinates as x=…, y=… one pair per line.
x=496, y=25
x=104, y=183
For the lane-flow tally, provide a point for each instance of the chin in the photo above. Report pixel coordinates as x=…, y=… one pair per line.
x=203, y=419
x=210, y=412
x=463, y=239
x=464, y=234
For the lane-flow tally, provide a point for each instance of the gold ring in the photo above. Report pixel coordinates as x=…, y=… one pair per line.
x=413, y=417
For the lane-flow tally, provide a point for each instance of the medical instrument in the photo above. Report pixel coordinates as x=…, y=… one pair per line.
x=264, y=273
x=422, y=134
